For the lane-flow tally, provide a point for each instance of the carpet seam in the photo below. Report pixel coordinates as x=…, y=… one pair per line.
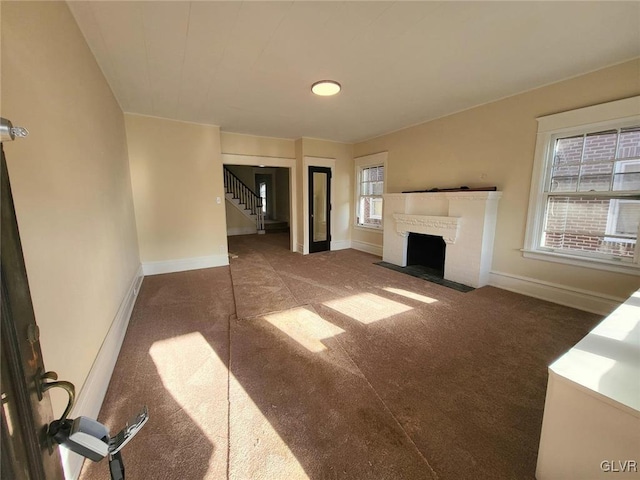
x=235, y=309
x=229, y=392
x=298, y=304
x=272, y=312
x=283, y=282
x=386, y=407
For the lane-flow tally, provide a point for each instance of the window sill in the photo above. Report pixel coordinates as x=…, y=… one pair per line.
x=368, y=229
x=595, y=263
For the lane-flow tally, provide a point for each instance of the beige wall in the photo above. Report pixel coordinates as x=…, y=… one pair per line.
x=244, y=174
x=71, y=184
x=237, y=222
x=176, y=172
x=341, y=183
x=240, y=144
x=282, y=194
x=494, y=145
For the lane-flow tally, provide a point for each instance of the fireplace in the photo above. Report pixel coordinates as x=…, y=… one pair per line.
x=465, y=221
x=428, y=251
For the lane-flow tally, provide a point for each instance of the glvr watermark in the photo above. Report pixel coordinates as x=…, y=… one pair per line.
x=619, y=466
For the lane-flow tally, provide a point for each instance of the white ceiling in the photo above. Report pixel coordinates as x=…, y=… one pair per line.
x=248, y=66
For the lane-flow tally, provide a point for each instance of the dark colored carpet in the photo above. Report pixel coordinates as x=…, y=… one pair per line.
x=332, y=368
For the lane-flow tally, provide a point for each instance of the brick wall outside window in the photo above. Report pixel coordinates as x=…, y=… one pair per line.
x=367, y=213
x=601, y=162
x=579, y=223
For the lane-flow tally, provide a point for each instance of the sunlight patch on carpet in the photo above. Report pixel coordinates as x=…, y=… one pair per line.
x=305, y=327
x=187, y=365
x=184, y=361
x=411, y=295
x=258, y=451
x=367, y=307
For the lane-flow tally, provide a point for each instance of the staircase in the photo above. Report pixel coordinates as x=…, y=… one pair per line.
x=244, y=199
x=276, y=226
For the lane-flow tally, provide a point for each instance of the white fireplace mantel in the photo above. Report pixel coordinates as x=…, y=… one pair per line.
x=445, y=227
x=465, y=220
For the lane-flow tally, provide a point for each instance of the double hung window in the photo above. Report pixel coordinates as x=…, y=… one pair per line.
x=370, y=177
x=585, y=202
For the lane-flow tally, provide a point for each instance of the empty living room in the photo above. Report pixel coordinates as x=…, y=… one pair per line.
x=320, y=240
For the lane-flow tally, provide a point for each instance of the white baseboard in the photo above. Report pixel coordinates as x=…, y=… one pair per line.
x=300, y=248
x=367, y=247
x=241, y=231
x=340, y=244
x=90, y=398
x=184, y=264
x=552, y=292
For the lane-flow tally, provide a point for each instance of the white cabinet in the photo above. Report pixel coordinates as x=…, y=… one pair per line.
x=591, y=425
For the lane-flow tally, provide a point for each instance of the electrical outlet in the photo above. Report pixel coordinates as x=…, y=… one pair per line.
x=218, y=200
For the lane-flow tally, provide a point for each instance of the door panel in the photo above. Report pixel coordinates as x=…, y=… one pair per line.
x=26, y=411
x=319, y=209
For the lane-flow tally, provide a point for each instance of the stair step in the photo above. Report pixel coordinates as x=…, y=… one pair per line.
x=276, y=227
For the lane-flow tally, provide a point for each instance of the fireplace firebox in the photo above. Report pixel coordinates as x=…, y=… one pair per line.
x=427, y=251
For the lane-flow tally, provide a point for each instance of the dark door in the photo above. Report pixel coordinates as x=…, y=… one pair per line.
x=319, y=209
x=26, y=411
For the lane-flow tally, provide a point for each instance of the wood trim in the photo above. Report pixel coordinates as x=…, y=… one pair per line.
x=94, y=390
x=185, y=264
x=367, y=247
x=556, y=293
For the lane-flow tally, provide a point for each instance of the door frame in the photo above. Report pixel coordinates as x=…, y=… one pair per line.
x=321, y=245
x=22, y=360
x=290, y=163
x=307, y=162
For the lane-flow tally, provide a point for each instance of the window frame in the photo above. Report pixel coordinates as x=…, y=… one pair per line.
x=361, y=163
x=612, y=222
x=617, y=114
x=376, y=199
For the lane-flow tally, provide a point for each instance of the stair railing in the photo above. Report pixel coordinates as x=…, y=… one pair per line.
x=245, y=196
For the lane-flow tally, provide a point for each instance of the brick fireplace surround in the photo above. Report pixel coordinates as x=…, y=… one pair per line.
x=465, y=220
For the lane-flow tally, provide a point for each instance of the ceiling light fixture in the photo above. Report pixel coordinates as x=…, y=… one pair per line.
x=326, y=88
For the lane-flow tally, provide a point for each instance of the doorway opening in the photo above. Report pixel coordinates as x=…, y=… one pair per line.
x=265, y=191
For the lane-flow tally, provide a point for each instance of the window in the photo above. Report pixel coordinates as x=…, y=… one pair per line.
x=369, y=190
x=370, y=203
x=262, y=188
x=585, y=196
